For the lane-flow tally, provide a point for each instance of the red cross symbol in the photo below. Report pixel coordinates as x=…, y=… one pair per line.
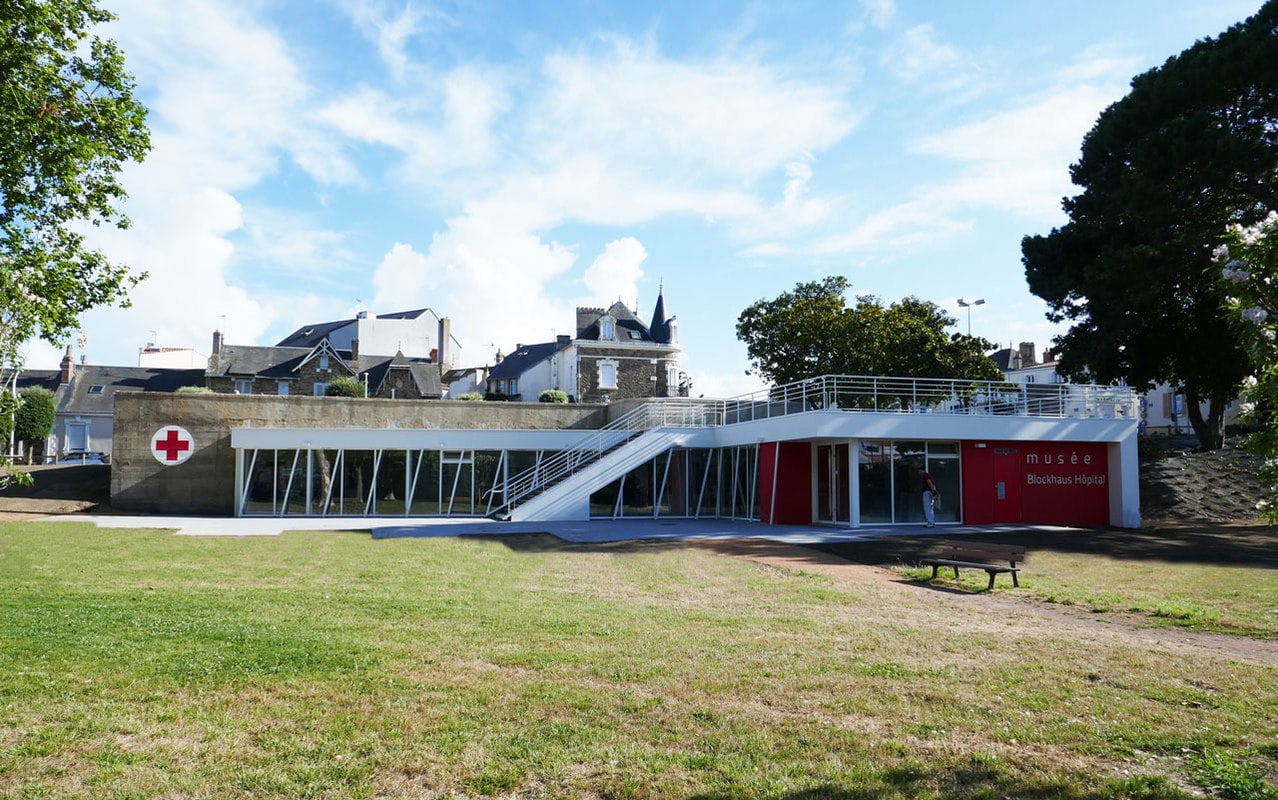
x=172, y=445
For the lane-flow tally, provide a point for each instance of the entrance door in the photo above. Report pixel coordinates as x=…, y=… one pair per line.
x=1007, y=484
x=833, y=490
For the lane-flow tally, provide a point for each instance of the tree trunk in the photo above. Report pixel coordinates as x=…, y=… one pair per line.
x=1210, y=430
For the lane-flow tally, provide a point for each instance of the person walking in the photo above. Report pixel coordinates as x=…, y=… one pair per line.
x=930, y=497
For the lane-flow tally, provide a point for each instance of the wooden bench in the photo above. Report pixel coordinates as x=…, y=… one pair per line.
x=993, y=558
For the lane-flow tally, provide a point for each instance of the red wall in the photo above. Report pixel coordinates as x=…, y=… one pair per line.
x=794, y=482
x=1058, y=483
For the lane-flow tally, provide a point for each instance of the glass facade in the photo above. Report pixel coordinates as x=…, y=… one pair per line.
x=891, y=481
x=878, y=479
x=690, y=483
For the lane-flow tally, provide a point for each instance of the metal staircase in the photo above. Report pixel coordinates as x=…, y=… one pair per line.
x=545, y=489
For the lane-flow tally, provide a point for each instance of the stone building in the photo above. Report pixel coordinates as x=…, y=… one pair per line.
x=612, y=356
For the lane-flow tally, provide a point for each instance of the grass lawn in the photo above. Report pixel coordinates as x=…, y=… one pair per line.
x=138, y=664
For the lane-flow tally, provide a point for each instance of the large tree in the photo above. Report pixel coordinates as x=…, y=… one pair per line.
x=812, y=331
x=68, y=122
x=1191, y=149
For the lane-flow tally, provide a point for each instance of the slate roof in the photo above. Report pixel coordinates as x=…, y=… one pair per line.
x=282, y=363
x=1003, y=358
x=48, y=378
x=311, y=335
x=525, y=358
x=425, y=374
x=627, y=323
x=81, y=396
x=265, y=362
x=308, y=336
x=660, y=327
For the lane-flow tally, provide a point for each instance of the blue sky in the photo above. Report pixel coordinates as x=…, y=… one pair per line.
x=503, y=163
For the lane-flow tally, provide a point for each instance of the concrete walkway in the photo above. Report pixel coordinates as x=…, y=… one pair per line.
x=572, y=531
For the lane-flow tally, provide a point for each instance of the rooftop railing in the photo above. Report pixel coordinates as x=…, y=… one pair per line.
x=862, y=393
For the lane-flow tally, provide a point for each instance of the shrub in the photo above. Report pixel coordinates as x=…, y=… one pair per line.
x=553, y=396
x=34, y=419
x=344, y=386
x=471, y=397
x=193, y=390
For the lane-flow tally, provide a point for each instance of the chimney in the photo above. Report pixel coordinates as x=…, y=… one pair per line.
x=563, y=340
x=217, y=343
x=445, y=340
x=1027, y=354
x=68, y=367
x=355, y=352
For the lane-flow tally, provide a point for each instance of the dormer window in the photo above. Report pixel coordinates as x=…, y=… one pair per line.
x=607, y=328
x=636, y=335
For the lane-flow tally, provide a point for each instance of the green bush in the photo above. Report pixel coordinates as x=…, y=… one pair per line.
x=470, y=397
x=553, y=396
x=193, y=390
x=344, y=386
x=34, y=419
x=8, y=407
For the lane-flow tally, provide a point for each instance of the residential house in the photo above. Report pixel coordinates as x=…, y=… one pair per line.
x=84, y=399
x=613, y=356
x=419, y=334
x=464, y=380
x=307, y=371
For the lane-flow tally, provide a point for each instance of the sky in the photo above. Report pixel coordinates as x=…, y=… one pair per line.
x=505, y=163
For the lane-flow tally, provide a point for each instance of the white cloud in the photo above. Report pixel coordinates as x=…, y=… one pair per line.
x=486, y=271
x=616, y=273
x=880, y=13
x=690, y=120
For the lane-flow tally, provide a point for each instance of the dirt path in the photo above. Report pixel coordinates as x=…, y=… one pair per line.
x=1017, y=613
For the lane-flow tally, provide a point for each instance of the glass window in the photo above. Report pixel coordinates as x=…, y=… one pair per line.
x=243, y=386
x=323, y=359
x=891, y=486
x=320, y=389
x=607, y=374
x=283, y=388
x=607, y=328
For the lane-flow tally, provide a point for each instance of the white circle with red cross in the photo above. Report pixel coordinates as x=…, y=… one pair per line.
x=172, y=445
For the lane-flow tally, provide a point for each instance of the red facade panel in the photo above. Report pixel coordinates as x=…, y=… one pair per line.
x=1059, y=483
x=793, y=472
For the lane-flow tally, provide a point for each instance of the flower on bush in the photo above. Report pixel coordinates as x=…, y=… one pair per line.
x=1248, y=261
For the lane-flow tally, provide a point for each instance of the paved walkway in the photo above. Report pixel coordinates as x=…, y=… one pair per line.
x=572, y=531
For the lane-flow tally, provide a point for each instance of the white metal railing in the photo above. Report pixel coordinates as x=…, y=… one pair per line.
x=933, y=396
x=656, y=414
x=854, y=393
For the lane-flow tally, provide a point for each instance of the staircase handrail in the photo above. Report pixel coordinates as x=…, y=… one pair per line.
x=593, y=446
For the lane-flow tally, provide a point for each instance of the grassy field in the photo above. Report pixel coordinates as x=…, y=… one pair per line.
x=140, y=664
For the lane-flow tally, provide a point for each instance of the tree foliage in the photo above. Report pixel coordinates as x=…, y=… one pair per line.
x=343, y=386
x=812, y=331
x=553, y=396
x=1249, y=277
x=34, y=419
x=1191, y=149
x=68, y=122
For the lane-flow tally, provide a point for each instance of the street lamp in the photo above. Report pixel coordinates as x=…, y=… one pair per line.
x=965, y=303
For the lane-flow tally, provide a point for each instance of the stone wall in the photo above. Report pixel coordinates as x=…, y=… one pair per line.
x=635, y=373
x=205, y=483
